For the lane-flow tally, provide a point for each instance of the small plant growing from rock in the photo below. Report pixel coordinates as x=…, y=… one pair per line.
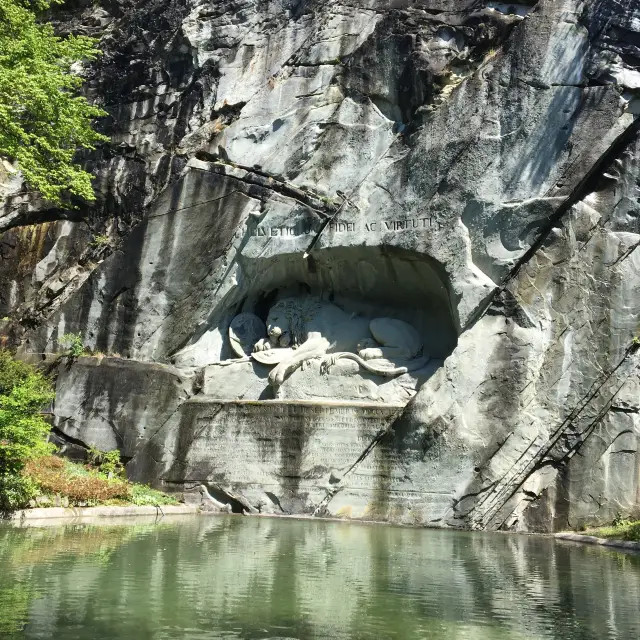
x=108, y=462
x=100, y=240
x=72, y=345
x=620, y=521
x=94, y=454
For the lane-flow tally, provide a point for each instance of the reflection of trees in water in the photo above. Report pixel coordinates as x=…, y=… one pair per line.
x=14, y=607
x=24, y=549
x=256, y=578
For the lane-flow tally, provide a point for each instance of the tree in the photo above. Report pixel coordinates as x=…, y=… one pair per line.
x=43, y=120
x=23, y=431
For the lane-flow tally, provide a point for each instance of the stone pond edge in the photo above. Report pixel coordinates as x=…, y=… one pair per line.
x=71, y=513
x=102, y=512
x=604, y=542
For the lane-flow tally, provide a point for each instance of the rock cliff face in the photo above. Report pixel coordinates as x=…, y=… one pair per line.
x=470, y=168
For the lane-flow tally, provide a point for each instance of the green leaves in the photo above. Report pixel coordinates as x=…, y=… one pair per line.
x=72, y=344
x=23, y=431
x=15, y=492
x=141, y=495
x=43, y=122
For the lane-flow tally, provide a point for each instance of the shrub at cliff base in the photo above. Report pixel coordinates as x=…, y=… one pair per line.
x=28, y=468
x=55, y=476
x=24, y=392
x=620, y=530
x=85, y=485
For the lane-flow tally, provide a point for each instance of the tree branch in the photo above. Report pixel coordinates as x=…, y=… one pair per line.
x=22, y=217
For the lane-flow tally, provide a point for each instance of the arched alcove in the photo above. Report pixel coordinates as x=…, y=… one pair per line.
x=370, y=281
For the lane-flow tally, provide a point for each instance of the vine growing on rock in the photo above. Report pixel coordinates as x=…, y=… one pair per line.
x=43, y=120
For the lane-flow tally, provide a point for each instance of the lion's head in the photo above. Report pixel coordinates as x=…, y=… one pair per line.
x=287, y=321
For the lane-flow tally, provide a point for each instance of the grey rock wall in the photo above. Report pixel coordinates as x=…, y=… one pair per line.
x=112, y=403
x=471, y=168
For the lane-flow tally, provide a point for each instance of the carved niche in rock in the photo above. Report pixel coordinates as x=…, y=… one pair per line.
x=305, y=328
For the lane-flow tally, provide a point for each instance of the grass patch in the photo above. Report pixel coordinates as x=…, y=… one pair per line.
x=622, y=530
x=84, y=485
x=141, y=495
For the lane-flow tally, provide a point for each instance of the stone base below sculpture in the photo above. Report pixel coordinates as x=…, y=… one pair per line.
x=334, y=458
x=330, y=458
x=347, y=381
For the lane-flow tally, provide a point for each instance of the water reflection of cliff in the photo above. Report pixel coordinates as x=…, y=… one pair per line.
x=259, y=578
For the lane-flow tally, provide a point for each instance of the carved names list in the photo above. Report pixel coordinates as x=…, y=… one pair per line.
x=288, y=443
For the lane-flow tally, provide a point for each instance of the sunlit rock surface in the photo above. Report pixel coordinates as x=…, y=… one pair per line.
x=470, y=169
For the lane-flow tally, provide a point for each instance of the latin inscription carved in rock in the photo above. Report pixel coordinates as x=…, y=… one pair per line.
x=376, y=226
x=288, y=443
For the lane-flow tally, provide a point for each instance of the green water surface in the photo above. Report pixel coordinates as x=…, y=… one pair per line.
x=234, y=577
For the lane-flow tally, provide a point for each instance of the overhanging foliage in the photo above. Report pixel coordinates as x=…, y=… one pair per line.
x=43, y=120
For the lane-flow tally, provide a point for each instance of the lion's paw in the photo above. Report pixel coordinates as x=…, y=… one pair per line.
x=307, y=363
x=366, y=343
x=277, y=374
x=327, y=362
x=262, y=345
x=370, y=353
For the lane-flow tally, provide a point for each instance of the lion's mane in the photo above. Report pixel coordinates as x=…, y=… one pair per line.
x=298, y=312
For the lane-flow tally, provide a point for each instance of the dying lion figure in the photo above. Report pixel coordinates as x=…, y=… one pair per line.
x=301, y=329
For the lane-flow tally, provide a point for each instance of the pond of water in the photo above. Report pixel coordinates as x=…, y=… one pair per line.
x=234, y=577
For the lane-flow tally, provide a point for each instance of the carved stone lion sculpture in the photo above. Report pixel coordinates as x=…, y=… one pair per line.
x=301, y=329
